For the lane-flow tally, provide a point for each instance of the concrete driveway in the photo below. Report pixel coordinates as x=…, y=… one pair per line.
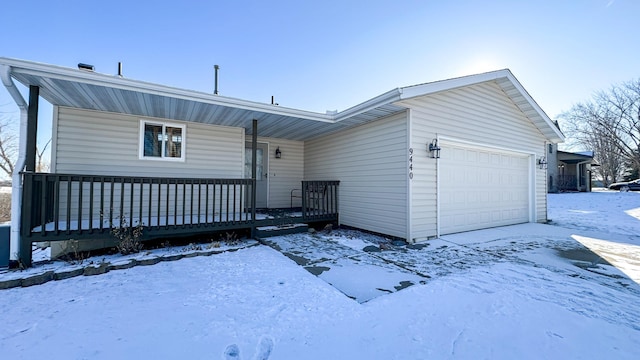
x=365, y=266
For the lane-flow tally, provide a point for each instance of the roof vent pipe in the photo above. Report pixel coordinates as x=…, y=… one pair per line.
x=120, y=68
x=86, y=67
x=215, y=89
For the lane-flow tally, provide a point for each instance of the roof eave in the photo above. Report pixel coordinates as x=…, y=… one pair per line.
x=98, y=79
x=555, y=135
x=387, y=98
x=540, y=119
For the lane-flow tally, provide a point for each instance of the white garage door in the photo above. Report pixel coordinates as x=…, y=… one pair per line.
x=482, y=188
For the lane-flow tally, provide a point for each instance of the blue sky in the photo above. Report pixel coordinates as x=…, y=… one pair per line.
x=331, y=55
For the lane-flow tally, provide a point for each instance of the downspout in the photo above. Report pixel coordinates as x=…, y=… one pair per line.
x=16, y=179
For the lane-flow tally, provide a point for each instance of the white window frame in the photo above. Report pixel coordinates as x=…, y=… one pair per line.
x=164, y=125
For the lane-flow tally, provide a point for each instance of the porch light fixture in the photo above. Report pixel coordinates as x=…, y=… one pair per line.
x=434, y=149
x=542, y=162
x=278, y=153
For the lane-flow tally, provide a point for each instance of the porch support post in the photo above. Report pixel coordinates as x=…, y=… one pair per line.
x=254, y=170
x=24, y=253
x=32, y=128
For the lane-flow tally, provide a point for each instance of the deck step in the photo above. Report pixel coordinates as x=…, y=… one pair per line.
x=278, y=230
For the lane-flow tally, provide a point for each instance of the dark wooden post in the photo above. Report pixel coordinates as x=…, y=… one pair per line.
x=254, y=169
x=24, y=254
x=32, y=128
x=304, y=200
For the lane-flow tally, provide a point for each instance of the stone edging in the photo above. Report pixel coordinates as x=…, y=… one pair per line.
x=105, y=267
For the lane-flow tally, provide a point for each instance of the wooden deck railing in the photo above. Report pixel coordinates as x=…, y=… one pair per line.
x=320, y=200
x=83, y=205
x=69, y=206
x=567, y=182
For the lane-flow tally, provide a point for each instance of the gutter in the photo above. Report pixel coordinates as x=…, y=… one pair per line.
x=384, y=99
x=94, y=78
x=16, y=179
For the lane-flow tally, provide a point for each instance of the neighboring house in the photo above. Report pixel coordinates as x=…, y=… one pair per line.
x=569, y=171
x=552, y=168
x=414, y=163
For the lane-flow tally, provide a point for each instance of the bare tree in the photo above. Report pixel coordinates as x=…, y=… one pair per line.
x=8, y=147
x=40, y=165
x=622, y=105
x=609, y=125
x=584, y=125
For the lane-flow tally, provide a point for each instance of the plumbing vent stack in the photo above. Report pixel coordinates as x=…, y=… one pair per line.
x=215, y=89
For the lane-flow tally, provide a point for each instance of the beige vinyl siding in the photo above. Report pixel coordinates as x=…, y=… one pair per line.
x=541, y=192
x=100, y=143
x=423, y=184
x=480, y=114
x=370, y=163
x=286, y=173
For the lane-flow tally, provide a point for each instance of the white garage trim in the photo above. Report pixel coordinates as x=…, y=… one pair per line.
x=411, y=153
x=443, y=141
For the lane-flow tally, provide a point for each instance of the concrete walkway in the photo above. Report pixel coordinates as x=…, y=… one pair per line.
x=364, y=266
x=357, y=269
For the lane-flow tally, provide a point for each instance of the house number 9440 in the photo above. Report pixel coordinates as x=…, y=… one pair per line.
x=410, y=163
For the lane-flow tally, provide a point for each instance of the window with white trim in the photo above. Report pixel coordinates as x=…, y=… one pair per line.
x=161, y=141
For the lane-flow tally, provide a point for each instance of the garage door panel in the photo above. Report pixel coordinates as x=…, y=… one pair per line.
x=481, y=188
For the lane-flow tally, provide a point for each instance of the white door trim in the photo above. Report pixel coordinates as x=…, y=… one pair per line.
x=456, y=141
x=266, y=169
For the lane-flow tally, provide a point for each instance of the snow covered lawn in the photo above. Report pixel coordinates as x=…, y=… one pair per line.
x=528, y=291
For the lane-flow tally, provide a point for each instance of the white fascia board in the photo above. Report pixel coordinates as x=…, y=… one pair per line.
x=390, y=97
x=534, y=105
x=97, y=79
x=387, y=98
x=450, y=84
x=445, y=85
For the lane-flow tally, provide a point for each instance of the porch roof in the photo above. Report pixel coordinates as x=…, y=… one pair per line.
x=575, y=158
x=83, y=89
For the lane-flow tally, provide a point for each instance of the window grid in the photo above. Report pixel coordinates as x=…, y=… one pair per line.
x=161, y=141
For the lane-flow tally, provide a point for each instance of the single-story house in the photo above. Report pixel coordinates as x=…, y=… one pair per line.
x=569, y=171
x=414, y=163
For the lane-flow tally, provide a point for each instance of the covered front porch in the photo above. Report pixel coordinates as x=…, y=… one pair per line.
x=98, y=182
x=58, y=207
x=574, y=171
x=106, y=127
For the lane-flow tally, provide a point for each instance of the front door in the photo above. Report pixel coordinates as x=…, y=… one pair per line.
x=262, y=171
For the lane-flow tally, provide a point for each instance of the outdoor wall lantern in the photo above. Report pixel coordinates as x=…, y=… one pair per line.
x=542, y=162
x=278, y=153
x=434, y=149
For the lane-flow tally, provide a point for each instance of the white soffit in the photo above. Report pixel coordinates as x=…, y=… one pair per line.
x=83, y=89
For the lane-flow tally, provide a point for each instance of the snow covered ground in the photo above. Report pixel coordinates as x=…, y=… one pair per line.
x=528, y=291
